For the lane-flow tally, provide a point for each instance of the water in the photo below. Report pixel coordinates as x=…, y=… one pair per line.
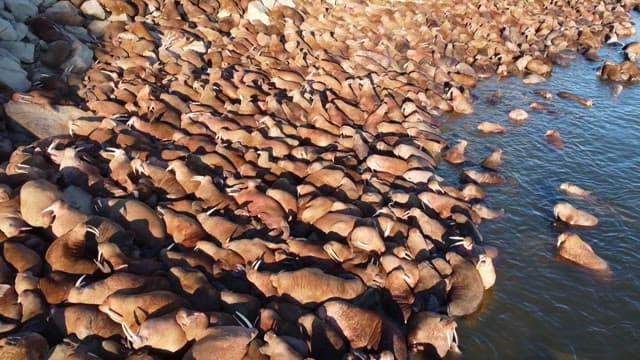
x=543, y=307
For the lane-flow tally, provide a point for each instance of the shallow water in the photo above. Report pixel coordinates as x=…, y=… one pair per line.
x=543, y=307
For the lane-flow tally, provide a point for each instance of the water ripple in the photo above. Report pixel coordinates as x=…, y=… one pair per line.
x=549, y=308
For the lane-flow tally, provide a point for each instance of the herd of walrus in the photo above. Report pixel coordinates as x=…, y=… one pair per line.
x=258, y=180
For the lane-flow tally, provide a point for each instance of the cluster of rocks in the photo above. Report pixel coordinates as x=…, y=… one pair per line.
x=40, y=39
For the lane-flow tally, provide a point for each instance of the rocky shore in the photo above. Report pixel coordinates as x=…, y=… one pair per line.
x=256, y=179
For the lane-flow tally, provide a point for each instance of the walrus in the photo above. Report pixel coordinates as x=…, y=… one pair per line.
x=455, y=155
x=536, y=106
x=570, y=246
x=310, y=285
x=159, y=332
x=632, y=50
x=324, y=341
x=482, y=177
x=574, y=190
x=133, y=309
x=566, y=213
x=546, y=94
x=491, y=128
x=366, y=238
x=432, y=334
x=487, y=271
x=277, y=348
x=83, y=321
x=35, y=197
x=24, y=346
x=364, y=328
x=465, y=286
x=493, y=160
x=576, y=98
x=553, y=138
x=518, y=116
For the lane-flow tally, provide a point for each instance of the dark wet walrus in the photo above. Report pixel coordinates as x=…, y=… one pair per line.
x=465, y=286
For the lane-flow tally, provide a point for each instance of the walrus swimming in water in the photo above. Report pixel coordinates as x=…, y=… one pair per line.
x=493, y=160
x=553, y=138
x=455, y=155
x=576, y=98
x=632, y=50
x=574, y=190
x=565, y=212
x=570, y=246
x=491, y=128
x=518, y=116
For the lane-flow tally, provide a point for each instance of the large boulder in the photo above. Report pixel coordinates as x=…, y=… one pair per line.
x=12, y=75
x=21, y=9
x=7, y=31
x=93, y=8
x=22, y=50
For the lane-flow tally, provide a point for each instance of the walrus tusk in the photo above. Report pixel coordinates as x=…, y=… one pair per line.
x=92, y=229
x=80, y=282
x=46, y=210
x=131, y=337
x=243, y=321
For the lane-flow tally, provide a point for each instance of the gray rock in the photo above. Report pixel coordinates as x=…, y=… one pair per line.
x=7, y=31
x=21, y=9
x=5, y=53
x=78, y=32
x=21, y=29
x=5, y=14
x=12, y=75
x=93, y=8
x=10, y=62
x=47, y=3
x=81, y=58
x=22, y=50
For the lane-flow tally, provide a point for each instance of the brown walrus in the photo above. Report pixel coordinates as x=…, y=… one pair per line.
x=571, y=247
x=433, y=334
x=574, y=190
x=565, y=212
x=576, y=98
